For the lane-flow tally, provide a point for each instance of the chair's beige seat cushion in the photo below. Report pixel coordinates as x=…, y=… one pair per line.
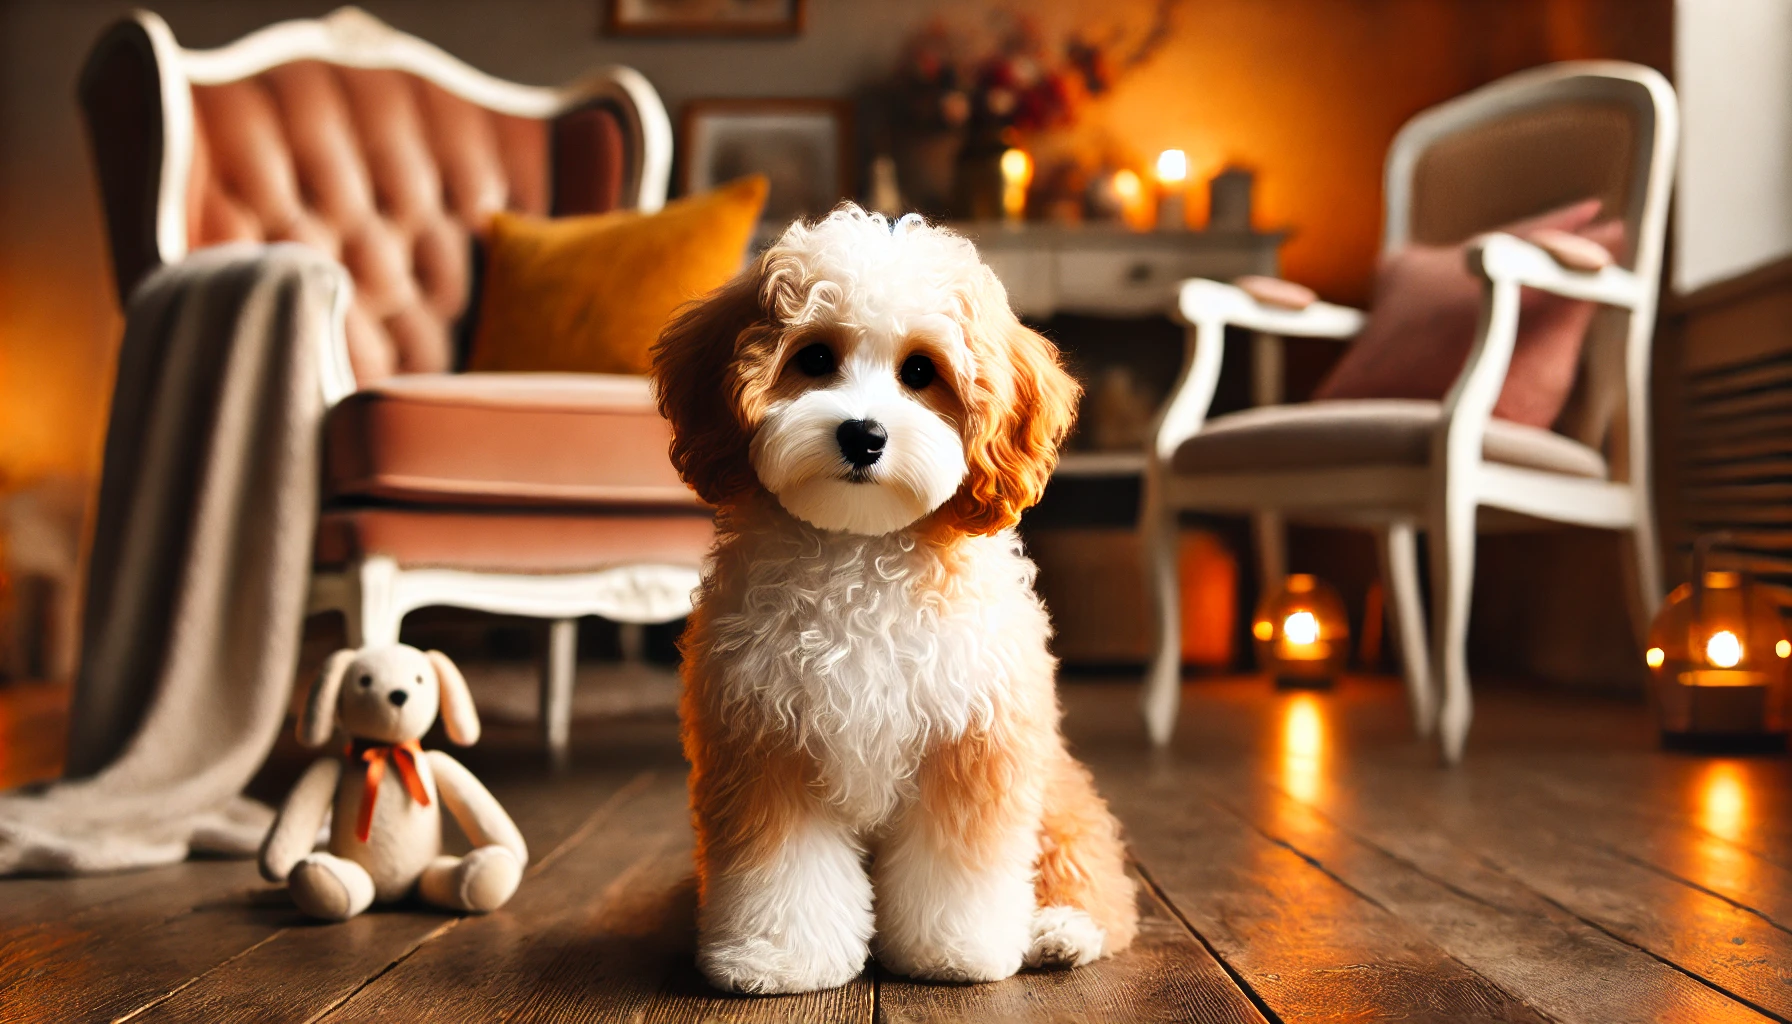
x=513, y=542
x=1363, y=432
x=516, y=439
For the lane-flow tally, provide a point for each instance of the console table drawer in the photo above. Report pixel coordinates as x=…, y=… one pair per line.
x=1124, y=281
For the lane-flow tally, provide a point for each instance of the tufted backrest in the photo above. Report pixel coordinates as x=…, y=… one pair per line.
x=371, y=146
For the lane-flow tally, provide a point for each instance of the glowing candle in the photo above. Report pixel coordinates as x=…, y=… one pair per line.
x=1301, y=628
x=1017, y=174
x=1130, y=198
x=1723, y=649
x=1300, y=638
x=1302, y=633
x=1718, y=652
x=1172, y=174
x=1172, y=167
x=1127, y=186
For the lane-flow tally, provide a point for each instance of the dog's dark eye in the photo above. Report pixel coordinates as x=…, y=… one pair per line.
x=366, y=680
x=917, y=372
x=816, y=360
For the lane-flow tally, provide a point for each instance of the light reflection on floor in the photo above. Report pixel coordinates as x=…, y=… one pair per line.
x=1304, y=739
x=1722, y=800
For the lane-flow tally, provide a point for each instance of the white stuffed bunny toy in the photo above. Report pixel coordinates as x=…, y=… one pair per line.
x=386, y=830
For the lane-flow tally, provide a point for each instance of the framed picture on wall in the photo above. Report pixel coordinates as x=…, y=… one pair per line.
x=703, y=17
x=803, y=147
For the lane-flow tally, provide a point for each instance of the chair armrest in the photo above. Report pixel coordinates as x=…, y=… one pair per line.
x=1209, y=307
x=336, y=375
x=1509, y=264
x=1202, y=301
x=1502, y=257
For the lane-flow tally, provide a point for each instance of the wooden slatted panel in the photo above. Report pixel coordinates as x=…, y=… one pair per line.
x=1735, y=466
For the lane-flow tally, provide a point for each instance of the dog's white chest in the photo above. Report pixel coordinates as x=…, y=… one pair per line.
x=867, y=650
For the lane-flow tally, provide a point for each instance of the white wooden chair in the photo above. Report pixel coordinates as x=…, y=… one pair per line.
x=1528, y=143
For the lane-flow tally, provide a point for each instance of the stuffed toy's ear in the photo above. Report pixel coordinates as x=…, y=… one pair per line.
x=320, y=706
x=458, y=716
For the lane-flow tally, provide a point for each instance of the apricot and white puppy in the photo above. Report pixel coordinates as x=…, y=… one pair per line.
x=869, y=707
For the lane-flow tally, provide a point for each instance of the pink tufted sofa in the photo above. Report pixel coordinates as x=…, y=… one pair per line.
x=548, y=495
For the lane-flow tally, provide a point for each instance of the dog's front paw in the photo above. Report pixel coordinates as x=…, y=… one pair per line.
x=1064, y=937
x=755, y=966
x=974, y=958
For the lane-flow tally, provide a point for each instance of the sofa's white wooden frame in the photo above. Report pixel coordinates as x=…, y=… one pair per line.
x=375, y=594
x=1443, y=497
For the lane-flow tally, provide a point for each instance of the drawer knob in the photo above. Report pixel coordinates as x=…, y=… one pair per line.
x=1138, y=273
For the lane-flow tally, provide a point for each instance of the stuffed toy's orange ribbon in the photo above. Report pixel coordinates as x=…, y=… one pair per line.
x=404, y=755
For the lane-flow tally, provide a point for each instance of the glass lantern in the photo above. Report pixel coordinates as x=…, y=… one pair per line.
x=1302, y=633
x=1719, y=654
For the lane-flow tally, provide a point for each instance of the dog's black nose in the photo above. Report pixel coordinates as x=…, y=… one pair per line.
x=398, y=697
x=862, y=441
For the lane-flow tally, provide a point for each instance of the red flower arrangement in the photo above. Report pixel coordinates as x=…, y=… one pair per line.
x=1020, y=86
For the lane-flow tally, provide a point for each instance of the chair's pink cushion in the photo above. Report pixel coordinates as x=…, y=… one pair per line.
x=511, y=541
x=1422, y=325
x=579, y=440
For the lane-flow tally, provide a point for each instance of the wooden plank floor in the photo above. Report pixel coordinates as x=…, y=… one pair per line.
x=1301, y=858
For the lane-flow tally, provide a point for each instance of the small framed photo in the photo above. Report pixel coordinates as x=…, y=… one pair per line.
x=803, y=147
x=703, y=17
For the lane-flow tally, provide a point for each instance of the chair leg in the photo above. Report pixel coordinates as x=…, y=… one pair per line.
x=1271, y=536
x=373, y=617
x=1163, y=682
x=1400, y=570
x=1644, y=572
x=556, y=689
x=632, y=638
x=1451, y=541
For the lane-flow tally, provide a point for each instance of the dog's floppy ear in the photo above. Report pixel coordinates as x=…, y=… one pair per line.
x=698, y=386
x=458, y=715
x=320, y=706
x=1022, y=405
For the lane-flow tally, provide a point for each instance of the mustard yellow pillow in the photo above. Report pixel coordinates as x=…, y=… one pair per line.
x=590, y=294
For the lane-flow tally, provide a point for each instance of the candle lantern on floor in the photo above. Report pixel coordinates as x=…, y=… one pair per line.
x=1302, y=633
x=1719, y=653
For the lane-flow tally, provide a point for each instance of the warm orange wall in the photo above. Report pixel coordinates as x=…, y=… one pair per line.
x=1308, y=92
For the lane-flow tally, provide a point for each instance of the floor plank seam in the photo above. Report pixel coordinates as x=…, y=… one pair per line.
x=1410, y=865
x=1690, y=884
x=1244, y=987
x=1646, y=951
x=592, y=821
x=1286, y=844
x=1763, y=853
x=176, y=990
x=446, y=927
x=1297, y=851
x=627, y=792
x=1658, y=816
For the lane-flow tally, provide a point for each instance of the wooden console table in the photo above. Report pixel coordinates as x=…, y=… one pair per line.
x=1106, y=270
